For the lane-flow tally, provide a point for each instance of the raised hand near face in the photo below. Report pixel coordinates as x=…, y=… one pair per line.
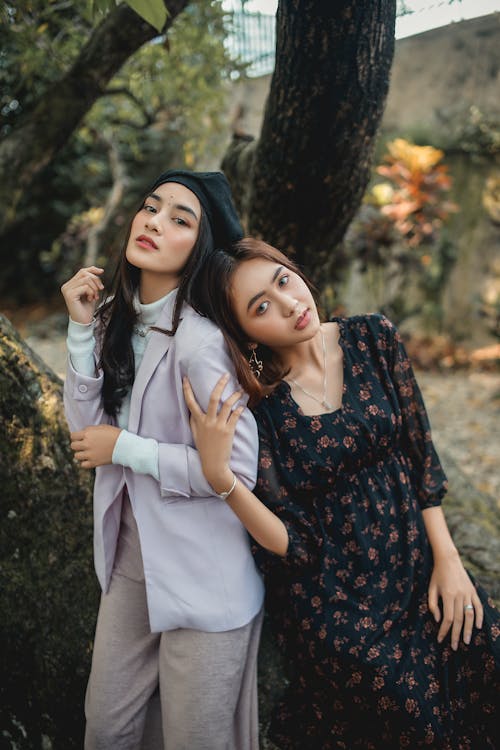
x=81, y=293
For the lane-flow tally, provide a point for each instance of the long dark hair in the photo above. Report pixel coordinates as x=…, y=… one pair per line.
x=212, y=297
x=118, y=316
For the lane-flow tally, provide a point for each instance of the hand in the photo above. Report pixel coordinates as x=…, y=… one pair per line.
x=450, y=582
x=213, y=432
x=94, y=445
x=81, y=293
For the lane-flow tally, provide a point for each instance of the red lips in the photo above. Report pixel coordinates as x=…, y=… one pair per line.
x=146, y=242
x=303, y=319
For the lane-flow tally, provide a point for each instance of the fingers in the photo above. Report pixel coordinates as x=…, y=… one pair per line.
x=448, y=618
x=85, y=283
x=235, y=415
x=433, y=604
x=468, y=622
x=458, y=623
x=460, y=616
x=216, y=395
x=473, y=614
x=189, y=398
x=226, y=410
x=213, y=413
x=89, y=275
x=81, y=294
x=478, y=609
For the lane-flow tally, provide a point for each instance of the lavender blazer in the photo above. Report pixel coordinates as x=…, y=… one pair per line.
x=198, y=568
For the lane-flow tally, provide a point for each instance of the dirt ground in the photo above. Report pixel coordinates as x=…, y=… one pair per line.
x=463, y=406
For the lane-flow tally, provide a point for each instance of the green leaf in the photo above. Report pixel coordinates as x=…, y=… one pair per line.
x=153, y=11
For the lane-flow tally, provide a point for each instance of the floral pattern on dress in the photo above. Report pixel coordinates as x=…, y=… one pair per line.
x=348, y=604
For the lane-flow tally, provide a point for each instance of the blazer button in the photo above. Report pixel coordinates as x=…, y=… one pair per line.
x=82, y=388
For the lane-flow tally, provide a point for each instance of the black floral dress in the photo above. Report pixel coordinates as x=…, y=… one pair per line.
x=348, y=604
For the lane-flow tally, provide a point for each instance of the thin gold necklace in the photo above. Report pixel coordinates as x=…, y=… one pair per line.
x=322, y=400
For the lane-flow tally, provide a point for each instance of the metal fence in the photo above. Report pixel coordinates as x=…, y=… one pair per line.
x=252, y=38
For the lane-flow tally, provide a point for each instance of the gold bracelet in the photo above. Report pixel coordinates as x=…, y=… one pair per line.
x=225, y=495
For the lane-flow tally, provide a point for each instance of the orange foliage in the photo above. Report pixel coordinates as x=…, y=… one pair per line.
x=414, y=199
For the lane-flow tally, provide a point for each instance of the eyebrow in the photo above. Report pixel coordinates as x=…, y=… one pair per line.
x=178, y=206
x=261, y=294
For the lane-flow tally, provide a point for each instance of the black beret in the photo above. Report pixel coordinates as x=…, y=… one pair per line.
x=213, y=191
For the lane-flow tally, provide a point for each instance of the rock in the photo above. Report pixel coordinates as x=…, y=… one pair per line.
x=48, y=590
x=474, y=523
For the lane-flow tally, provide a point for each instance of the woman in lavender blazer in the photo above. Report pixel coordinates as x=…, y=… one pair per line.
x=181, y=603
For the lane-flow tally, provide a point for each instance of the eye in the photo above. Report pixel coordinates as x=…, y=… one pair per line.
x=261, y=309
x=180, y=222
x=283, y=281
x=149, y=208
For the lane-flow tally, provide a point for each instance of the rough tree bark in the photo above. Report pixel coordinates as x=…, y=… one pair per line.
x=46, y=128
x=300, y=184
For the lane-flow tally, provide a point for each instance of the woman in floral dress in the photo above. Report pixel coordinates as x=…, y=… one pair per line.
x=390, y=643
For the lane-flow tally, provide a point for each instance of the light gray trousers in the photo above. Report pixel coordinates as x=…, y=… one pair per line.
x=207, y=681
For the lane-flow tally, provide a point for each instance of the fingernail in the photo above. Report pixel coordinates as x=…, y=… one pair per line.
x=467, y=639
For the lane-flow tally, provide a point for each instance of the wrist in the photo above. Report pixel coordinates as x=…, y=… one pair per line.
x=222, y=482
x=448, y=553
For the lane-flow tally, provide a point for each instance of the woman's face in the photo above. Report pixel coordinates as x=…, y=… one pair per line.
x=164, y=231
x=272, y=304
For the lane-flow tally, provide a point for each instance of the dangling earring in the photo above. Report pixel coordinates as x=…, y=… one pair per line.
x=256, y=365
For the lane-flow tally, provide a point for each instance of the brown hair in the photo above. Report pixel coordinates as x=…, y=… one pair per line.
x=213, y=298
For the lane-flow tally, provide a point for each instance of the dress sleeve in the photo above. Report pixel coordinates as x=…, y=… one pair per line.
x=425, y=468
x=303, y=540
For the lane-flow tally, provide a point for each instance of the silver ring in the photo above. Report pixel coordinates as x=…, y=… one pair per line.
x=468, y=606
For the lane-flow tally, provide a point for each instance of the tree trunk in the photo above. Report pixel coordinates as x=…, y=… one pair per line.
x=33, y=144
x=311, y=165
x=48, y=590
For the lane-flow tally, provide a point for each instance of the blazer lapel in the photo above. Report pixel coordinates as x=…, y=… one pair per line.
x=156, y=348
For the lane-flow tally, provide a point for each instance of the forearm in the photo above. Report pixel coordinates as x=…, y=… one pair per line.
x=261, y=523
x=438, y=533
x=80, y=343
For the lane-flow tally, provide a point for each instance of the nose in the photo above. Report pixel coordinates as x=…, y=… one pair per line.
x=290, y=305
x=152, y=222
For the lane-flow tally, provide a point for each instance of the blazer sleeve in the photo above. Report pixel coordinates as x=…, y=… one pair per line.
x=181, y=475
x=82, y=398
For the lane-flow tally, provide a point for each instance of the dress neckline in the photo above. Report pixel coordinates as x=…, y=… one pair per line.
x=340, y=409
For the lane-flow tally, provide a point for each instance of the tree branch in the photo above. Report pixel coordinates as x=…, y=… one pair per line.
x=45, y=129
x=122, y=91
